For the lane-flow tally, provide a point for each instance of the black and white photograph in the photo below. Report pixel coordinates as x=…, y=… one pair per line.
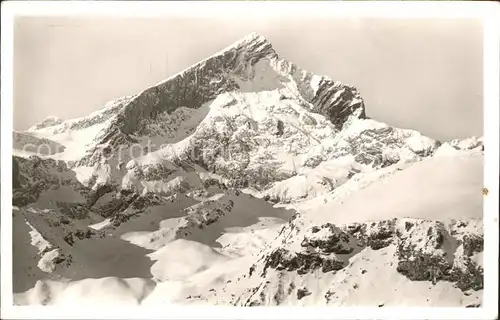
x=249, y=158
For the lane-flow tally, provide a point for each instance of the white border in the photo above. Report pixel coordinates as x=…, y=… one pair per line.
x=6, y=151
x=491, y=84
x=488, y=12
x=220, y=9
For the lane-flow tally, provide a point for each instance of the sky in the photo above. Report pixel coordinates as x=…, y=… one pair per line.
x=420, y=74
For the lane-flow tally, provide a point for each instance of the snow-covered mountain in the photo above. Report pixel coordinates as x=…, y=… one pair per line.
x=245, y=180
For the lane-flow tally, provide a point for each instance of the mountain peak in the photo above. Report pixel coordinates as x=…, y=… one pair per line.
x=248, y=65
x=254, y=36
x=253, y=43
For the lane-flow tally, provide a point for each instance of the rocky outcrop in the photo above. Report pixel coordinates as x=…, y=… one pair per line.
x=424, y=251
x=282, y=259
x=48, y=122
x=54, y=233
x=33, y=176
x=204, y=214
x=109, y=110
x=467, y=144
x=384, y=146
x=36, y=177
x=29, y=143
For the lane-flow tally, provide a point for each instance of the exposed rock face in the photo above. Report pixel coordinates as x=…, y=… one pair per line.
x=29, y=143
x=33, y=176
x=382, y=147
x=49, y=122
x=467, y=144
x=338, y=105
x=375, y=235
x=334, y=241
x=108, y=111
x=53, y=246
x=231, y=70
x=302, y=292
x=423, y=251
x=196, y=85
x=282, y=259
x=52, y=180
x=432, y=262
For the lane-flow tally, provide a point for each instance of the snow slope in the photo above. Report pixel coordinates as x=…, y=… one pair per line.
x=376, y=248
x=206, y=276
x=425, y=190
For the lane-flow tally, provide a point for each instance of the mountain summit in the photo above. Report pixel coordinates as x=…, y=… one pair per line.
x=264, y=183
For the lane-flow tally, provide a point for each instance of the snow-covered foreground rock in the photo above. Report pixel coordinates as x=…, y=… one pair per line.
x=244, y=180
